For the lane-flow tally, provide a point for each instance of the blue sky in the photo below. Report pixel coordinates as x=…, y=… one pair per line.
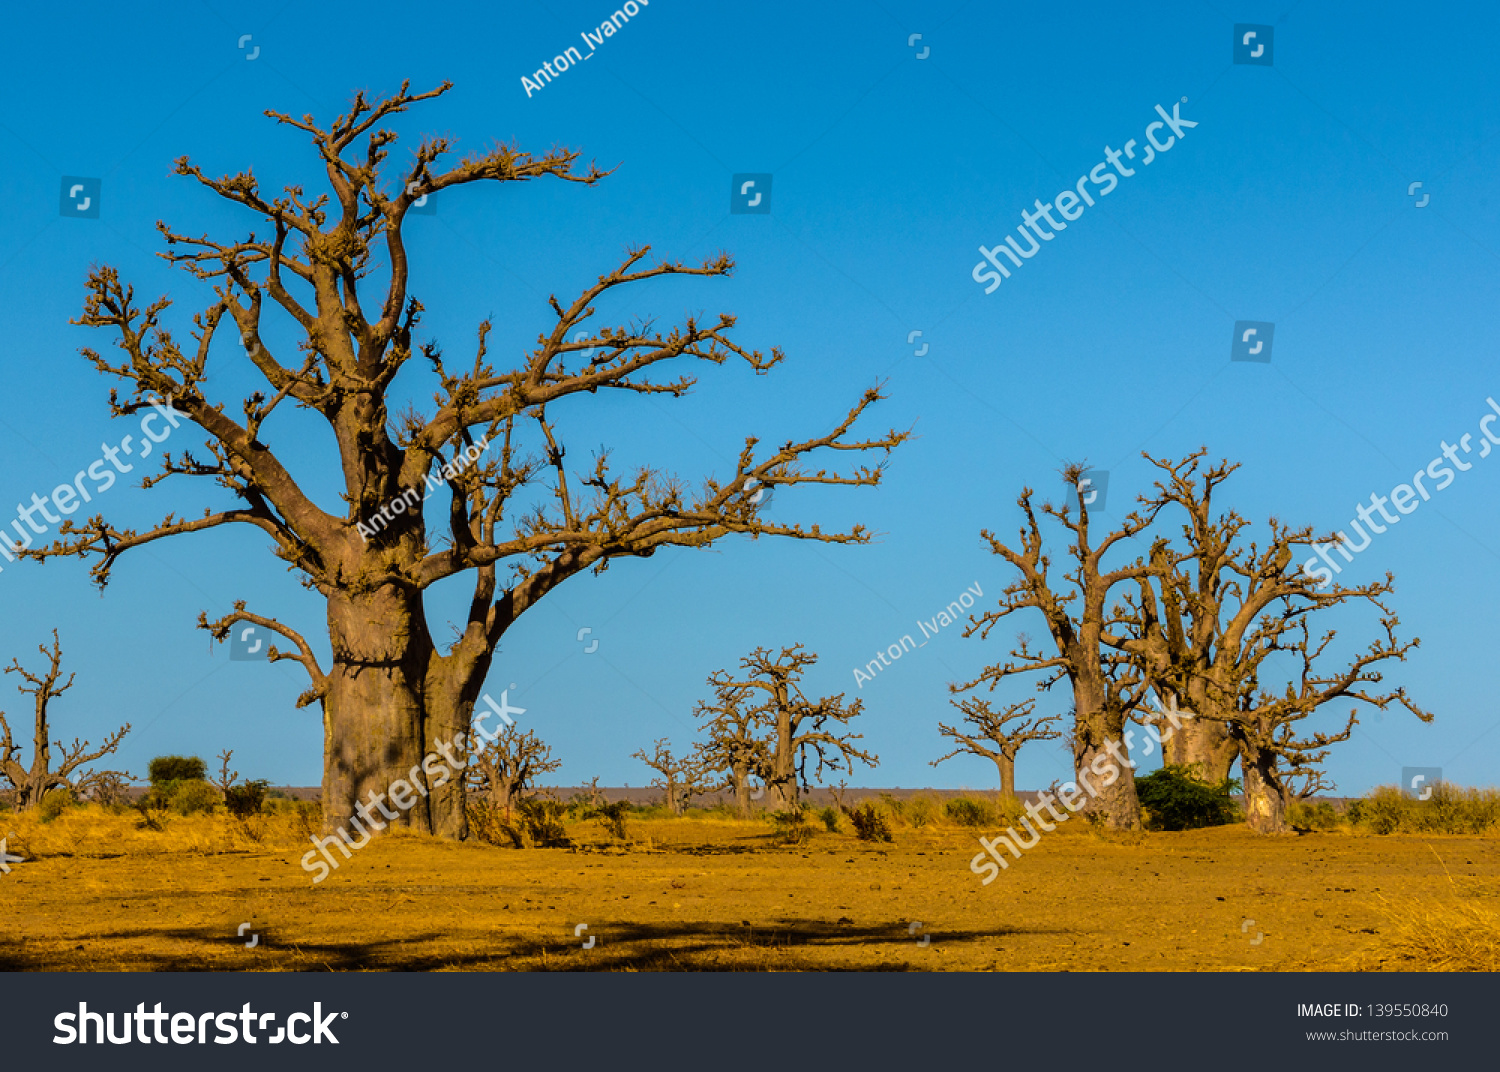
x=1288, y=204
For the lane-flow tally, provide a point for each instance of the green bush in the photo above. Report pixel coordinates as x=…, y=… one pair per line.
x=830, y=817
x=1176, y=799
x=193, y=797
x=165, y=769
x=870, y=823
x=53, y=803
x=968, y=811
x=245, y=800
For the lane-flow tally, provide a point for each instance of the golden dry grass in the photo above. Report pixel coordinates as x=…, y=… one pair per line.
x=97, y=893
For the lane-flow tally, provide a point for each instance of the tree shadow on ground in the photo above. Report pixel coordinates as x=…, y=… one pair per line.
x=785, y=945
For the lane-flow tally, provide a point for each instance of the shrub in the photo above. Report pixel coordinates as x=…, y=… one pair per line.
x=1175, y=799
x=830, y=817
x=177, y=769
x=1449, y=810
x=894, y=809
x=245, y=800
x=541, y=822
x=612, y=818
x=870, y=823
x=1308, y=815
x=967, y=811
x=192, y=798
x=53, y=802
x=921, y=810
x=792, y=827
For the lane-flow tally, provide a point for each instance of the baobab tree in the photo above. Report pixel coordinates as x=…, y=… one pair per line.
x=1107, y=686
x=336, y=265
x=1189, y=622
x=795, y=727
x=1206, y=619
x=508, y=766
x=679, y=777
x=1273, y=758
x=992, y=736
x=734, y=745
x=30, y=784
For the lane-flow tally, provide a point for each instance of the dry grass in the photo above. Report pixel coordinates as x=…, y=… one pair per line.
x=96, y=892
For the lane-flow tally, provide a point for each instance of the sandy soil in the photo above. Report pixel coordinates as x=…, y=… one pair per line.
x=721, y=895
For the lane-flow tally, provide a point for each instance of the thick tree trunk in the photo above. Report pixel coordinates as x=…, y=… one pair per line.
x=1105, y=776
x=377, y=724
x=1265, y=795
x=502, y=797
x=741, y=778
x=674, y=797
x=781, y=785
x=1203, y=743
x=1007, y=767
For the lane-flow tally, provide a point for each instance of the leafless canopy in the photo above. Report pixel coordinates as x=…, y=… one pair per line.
x=680, y=778
x=30, y=784
x=334, y=267
x=793, y=727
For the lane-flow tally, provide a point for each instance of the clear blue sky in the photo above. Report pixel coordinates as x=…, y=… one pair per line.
x=1287, y=203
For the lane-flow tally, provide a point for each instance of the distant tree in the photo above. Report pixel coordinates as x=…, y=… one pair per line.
x=31, y=784
x=734, y=746
x=226, y=779
x=679, y=779
x=165, y=769
x=990, y=737
x=507, y=767
x=794, y=727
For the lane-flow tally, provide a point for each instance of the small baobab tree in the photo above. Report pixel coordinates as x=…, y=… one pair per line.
x=30, y=784
x=333, y=264
x=1107, y=687
x=680, y=778
x=1265, y=726
x=991, y=735
x=734, y=745
x=507, y=767
x=794, y=727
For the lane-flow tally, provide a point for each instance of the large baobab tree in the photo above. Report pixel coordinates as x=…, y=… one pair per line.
x=1204, y=623
x=794, y=726
x=508, y=765
x=1107, y=687
x=992, y=736
x=679, y=778
x=30, y=784
x=734, y=745
x=335, y=264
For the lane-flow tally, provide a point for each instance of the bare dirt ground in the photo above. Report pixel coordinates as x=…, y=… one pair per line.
x=720, y=895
